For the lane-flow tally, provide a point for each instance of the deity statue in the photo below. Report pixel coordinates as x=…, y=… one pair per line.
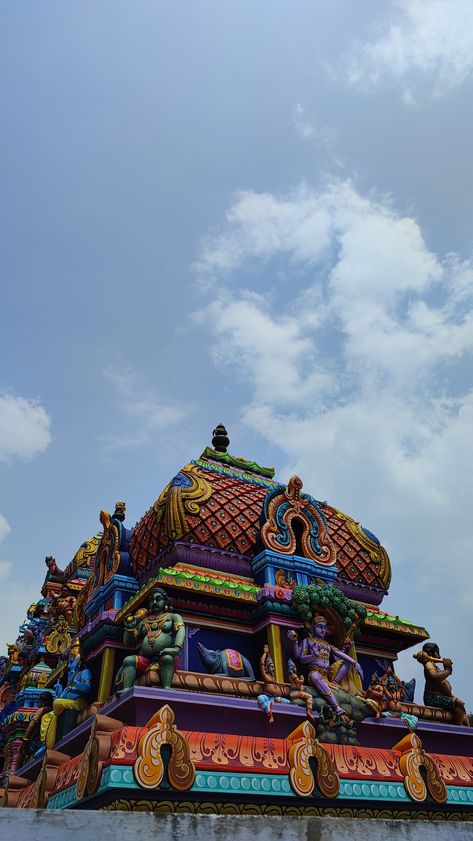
x=73, y=697
x=384, y=697
x=438, y=689
x=315, y=652
x=271, y=690
x=160, y=633
x=53, y=572
x=297, y=692
x=63, y=604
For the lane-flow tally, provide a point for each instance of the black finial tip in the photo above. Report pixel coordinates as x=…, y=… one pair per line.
x=220, y=440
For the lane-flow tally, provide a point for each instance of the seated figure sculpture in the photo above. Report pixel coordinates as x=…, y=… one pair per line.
x=297, y=692
x=315, y=652
x=271, y=693
x=438, y=690
x=73, y=697
x=161, y=635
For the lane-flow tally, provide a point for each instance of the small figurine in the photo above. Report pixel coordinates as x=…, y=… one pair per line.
x=271, y=690
x=35, y=733
x=284, y=579
x=438, y=690
x=161, y=635
x=315, y=653
x=53, y=573
x=297, y=689
x=63, y=604
x=383, y=697
x=73, y=697
x=227, y=662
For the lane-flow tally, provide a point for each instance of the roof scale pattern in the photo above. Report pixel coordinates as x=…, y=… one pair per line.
x=217, y=505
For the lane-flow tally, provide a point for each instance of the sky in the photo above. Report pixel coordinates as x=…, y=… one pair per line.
x=251, y=213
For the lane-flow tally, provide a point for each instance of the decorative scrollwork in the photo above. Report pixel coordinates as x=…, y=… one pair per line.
x=149, y=766
x=375, y=550
x=59, y=639
x=282, y=508
x=183, y=495
x=413, y=758
x=97, y=750
x=304, y=747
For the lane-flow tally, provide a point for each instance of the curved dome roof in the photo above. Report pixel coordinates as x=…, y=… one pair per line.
x=217, y=501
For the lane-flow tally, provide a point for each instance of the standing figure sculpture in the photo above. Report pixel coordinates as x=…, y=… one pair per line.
x=315, y=652
x=438, y=689
x=161, y=635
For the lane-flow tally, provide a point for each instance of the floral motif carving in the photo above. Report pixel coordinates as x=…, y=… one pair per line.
x=59, y=639
x=149, y=767
x=363, y=763
x=304, y=747
x=413, y=758
x=208, y=750
x=184, y=495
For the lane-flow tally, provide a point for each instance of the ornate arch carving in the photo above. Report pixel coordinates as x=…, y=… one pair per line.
x=285, y=506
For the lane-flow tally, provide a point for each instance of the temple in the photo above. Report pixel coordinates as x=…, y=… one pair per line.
x=229, y=654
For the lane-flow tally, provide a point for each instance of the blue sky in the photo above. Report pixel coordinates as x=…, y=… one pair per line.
x=259, y=214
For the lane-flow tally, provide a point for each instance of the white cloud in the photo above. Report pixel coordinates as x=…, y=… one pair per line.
x=24, y=427
x=360, y=372
x=273, y=353
x=322, y=136
x=420, y=39
x=147, y=413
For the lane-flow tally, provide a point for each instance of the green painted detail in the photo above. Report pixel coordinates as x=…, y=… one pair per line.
x=386, y=620
x=108, y=630
x=261, y=784
x=238, y=590
x=272, y=607
x=222, y=469
x=214, y=580
x=239, y=462
x=363, y=790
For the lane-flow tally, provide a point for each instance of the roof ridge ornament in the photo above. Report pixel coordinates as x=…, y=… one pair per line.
x=220, y=440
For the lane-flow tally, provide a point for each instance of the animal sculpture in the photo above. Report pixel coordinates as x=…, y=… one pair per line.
x=227, y=662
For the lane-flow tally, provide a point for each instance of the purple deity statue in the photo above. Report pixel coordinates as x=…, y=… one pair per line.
x=315, y=652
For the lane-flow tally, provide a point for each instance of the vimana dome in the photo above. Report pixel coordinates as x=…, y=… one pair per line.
x=229, y=654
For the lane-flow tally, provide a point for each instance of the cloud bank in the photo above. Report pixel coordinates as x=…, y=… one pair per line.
x=423, y=40
x=25, y=428
x=358, y=367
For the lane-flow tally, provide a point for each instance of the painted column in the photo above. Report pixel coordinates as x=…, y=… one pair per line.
x=106, y=674
x=275, y=647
